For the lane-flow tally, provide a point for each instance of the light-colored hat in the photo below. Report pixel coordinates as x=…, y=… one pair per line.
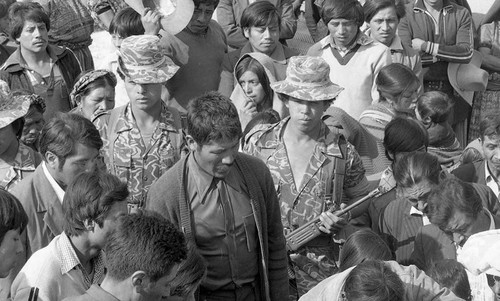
x=176, y=14
x=308, y=78
x=481, y=253
x=467, y=78
x=144, y=61
x=12, y=108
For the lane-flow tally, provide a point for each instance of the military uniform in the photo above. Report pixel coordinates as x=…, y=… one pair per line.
x=24, y=164
x=134, y=162
x=302, y=202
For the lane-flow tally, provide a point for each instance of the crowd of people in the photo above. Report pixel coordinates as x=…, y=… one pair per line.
x=207, y=160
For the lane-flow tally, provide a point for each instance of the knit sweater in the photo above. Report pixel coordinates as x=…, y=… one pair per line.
x=355, y=72
x=168, y=197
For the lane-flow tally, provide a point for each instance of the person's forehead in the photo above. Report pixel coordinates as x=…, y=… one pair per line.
x=492, y=139
x=417, y=190
x=221, y=144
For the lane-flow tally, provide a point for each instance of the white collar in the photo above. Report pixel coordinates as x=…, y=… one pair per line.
x=415, y=211
x=57, y=189
x=488, y=176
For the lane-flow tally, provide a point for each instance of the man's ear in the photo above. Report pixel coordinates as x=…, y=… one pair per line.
x=78, y=99
x=192, y=145
x=52, y=160
x=139, y=281
x=246, y=32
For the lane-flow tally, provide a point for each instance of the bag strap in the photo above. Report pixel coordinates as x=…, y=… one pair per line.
x=112, y=136
x=339, y=171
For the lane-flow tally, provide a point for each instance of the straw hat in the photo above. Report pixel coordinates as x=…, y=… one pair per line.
x=12, y=108
x=480, y=254
x=308, y=78
x=467, y=78
x=144, y=61
x=176, y=14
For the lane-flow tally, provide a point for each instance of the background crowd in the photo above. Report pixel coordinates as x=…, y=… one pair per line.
x=207, y=159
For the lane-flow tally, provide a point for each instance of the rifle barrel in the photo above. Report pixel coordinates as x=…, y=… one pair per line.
x=373, y=193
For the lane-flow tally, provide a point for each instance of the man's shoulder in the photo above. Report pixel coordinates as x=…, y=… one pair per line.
x=25, y=186
x=468, y=172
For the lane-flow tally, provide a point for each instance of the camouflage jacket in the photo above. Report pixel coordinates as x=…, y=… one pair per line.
x=135, y=163
x=24, y=164
x=305, y=202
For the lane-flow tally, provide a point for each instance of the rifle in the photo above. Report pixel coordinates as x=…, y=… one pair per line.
x=310, y=230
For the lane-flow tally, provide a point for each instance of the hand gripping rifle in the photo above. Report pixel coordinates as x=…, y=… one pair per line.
x=310, y=230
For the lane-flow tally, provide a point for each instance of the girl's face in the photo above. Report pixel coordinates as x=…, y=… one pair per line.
x=98, y=100
x=10, y=248
x=249, y=82
x=408, y=99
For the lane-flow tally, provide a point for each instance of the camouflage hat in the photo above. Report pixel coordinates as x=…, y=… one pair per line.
x=308, y=78
x=143, y=60
x=12, y=108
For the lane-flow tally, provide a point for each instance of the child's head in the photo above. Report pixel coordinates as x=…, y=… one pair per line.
x=13, y=220
x=451, y=274
x=191, y=272
x=126, y=22
x=433, y=106
x=265, y=117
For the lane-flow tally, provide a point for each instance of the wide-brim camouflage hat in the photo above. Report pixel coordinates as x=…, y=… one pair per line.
x=308, y=78
x=143, y=60
x=12, y=108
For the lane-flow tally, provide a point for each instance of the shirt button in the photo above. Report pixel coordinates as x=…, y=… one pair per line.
x=145, y=178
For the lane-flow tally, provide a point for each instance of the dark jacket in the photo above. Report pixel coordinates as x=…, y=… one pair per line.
x=168, y=197
x=13, y=70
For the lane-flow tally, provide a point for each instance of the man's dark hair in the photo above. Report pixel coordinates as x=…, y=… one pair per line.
x=206, y=2
x=213, y=117
x=490, y=126
x=373, y=280
x=450, y=196
x=372, y=7
x=260, y=14
x=63, y=132
x=90, y=196
x=144, y=242
x=342, y=9
x=363, y=245
x=402, y=135
x=126, y=22
x=20, y=12
x=12, y=214
x=415, y=167
x=451, y=274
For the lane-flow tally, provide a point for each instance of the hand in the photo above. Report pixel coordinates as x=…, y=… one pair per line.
x=330, y=223
x=250, y=108
x=151, y=21
x=417, y=44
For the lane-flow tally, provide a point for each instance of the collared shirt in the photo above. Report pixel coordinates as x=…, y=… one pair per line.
x=69, y=261
x=302, y=202
x=404, y=55
x=134, y=162
x=24, y=164
x=50, y=87
x=226, y=233
x=361, y=39
x=57, y=189
x=415, y=212
x=491, y=181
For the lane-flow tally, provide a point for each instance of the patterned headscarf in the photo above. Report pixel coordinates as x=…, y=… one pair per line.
x=88, y=78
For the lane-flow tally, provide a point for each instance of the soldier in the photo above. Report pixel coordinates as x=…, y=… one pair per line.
x=303, y=154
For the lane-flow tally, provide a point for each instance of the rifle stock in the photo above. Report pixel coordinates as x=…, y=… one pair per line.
x=310, y=230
